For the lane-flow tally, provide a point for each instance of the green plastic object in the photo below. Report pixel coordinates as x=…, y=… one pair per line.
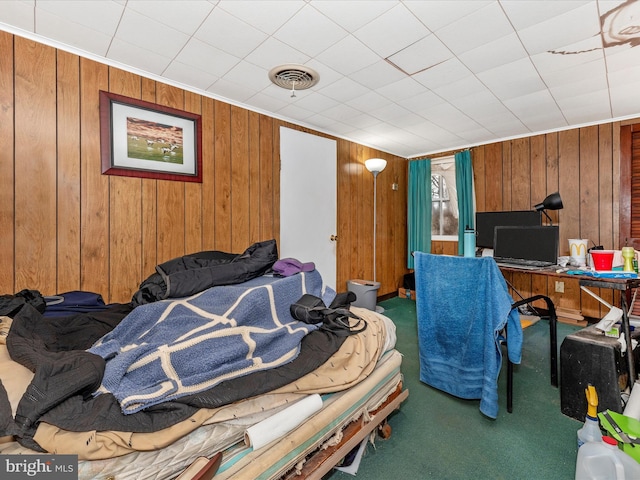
x=628, y=425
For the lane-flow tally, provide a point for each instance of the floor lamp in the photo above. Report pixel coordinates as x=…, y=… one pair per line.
x=375, y=166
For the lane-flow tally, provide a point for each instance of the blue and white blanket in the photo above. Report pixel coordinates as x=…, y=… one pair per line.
x=171, y=348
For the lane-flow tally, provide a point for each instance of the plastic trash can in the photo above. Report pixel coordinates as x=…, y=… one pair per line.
x=366, y=293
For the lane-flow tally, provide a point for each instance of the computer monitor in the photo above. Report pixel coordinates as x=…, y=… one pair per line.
x=527, y=243
x=486, y=222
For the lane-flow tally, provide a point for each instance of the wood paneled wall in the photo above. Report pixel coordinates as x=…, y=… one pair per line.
x=65, y=226
x=583, y=164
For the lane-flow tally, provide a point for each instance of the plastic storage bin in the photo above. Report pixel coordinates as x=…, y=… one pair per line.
x=366, y=293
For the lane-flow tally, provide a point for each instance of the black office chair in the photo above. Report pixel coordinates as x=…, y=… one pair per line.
x=553, y=345
x=465, y=313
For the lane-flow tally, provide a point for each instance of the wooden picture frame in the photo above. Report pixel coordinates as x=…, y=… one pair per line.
x=146, y=140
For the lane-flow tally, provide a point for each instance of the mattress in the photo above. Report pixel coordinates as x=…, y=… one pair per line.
x=339, y=409
x=364, y=387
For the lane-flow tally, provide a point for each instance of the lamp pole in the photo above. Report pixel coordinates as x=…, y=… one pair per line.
x=375, y=166
x=375, y=222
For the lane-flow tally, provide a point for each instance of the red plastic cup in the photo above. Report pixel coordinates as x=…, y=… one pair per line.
x=602, y=260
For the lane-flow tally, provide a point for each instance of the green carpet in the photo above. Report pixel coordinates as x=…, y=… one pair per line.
x=438, y=436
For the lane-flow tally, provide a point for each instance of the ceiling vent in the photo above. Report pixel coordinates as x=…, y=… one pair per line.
x=294, y=77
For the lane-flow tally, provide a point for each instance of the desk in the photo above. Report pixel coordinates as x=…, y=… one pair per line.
x=623, y=285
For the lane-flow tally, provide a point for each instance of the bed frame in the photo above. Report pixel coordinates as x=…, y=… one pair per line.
x=321, y=461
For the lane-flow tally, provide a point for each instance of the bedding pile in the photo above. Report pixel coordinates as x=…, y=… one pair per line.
x=192, y=372
x=86, y=366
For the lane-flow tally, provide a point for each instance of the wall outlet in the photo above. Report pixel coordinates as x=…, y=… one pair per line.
x=559, y=287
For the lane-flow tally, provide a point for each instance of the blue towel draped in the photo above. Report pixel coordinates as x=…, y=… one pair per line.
x=462, y=305
x=171, y=348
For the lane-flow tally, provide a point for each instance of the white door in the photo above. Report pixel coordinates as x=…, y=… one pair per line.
x=308, y=204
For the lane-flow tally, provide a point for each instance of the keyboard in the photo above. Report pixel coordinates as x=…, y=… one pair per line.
x=522, y=263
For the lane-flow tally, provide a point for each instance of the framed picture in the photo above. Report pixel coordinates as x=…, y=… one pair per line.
x=142, y=139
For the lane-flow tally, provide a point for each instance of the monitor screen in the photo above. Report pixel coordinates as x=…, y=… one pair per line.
x=528, y=243
x=486, y=222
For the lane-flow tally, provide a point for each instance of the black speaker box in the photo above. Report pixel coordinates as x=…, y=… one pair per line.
x=588, y=357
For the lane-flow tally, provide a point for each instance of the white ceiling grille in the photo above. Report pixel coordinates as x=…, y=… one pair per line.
x=294, y=77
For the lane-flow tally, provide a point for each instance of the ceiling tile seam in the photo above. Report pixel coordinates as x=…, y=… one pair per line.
x=191, y=37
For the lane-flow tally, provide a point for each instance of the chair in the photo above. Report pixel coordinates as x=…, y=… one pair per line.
x=465, y=316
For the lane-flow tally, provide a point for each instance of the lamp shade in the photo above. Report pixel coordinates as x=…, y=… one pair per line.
x=552, y=202
x=375, y=165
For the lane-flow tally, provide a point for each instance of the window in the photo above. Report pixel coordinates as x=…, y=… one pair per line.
x=444, y=199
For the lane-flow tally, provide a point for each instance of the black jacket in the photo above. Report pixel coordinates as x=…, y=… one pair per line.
x=188, y=275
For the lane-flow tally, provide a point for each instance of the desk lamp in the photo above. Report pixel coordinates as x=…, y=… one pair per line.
x=552, y=202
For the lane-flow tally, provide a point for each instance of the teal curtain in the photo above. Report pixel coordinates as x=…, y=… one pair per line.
x=419, y=208
x=464, y=185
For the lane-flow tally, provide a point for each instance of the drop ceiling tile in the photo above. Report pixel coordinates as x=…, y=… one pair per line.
x=523, y=14
x=401, y=90
x=343, y=90
x=621, y=58
x=265, y=15
x=293, y=111
x=99, y=15
x=327, y=74
x=364, y=120
x=625, y=100
x=406, y=120
x=247, y=75
x=310, y=32
x=437, y=14
x=482, y=26
x=207, y=58
x=579, y=86
x=585, y=108
x=449, y=117
x=144, y=60
x=72, y=34
x=480, y=105
x=18, y=14
x=225, y=89
x=441, y=74
x=389, y=112
x=462, y=87
x=350, y=14
x=267, y=103
x=628, y=76
x=549, y=63
x=498, y=52
x=421, y=102
x=545, y=121
x=512, y=80
x=184, y=16
x=341, y=111
x=565, y=29
x=532, y=104
x=189, y=75
x=273, y=53
x=150, y=35
x=423, y=54
x=474, y=136
x=224, y=31
x=377, y=75
x=315, y=102
x=505, y=124
x=392, y=31
x=348, y=55
x=368, y=101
